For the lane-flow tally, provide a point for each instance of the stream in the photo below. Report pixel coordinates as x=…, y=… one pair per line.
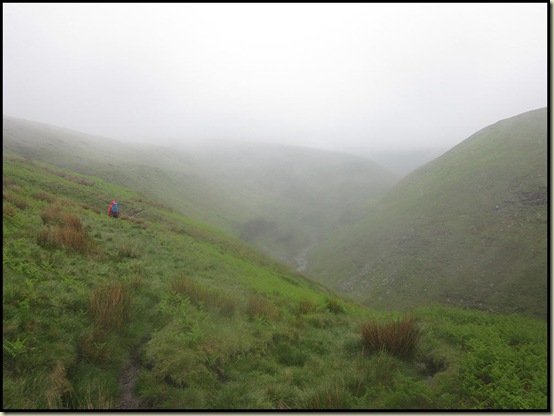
x=302, y=258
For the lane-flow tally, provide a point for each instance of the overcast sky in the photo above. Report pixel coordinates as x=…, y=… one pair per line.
x=319, y=75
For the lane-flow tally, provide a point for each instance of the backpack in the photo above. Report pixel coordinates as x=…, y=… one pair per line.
x=115, y=209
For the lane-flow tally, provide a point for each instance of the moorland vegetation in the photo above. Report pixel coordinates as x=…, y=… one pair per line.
x=157, y=311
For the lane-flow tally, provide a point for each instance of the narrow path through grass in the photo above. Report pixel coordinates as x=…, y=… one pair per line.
x=129, y=399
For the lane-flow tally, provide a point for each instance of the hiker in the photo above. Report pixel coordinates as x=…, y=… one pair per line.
x=113, y=210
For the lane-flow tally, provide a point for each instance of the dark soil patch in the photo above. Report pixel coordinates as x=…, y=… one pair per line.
x=127, y=381
x=429, y=367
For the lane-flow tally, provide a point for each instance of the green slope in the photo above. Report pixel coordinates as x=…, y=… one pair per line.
x=155, y=311
x=279, y=199
x=171, y=176
x=469, y=228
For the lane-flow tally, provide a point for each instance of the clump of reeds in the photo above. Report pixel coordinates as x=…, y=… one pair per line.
x=327, y=397
x=62, y=229
x=15, y=201
x=399, y=337
x=109, y=306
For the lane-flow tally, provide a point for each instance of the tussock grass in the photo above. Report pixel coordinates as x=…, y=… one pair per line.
x=80, y=181
x=109, y=306
x=129, y=250
x=45, y=196
x=19, y=203
x=8, y=210
x=399, y=337
x=63, y=230
x=51, y=214
x=382, y=368
x=202, y=295
x=334, y=305
x=287, y=351
x=72, y=221
x=93, y=209
x=133, y=219
x=305, y=307
x=58, y=385
x=153, y=203
x=260, y=307
x=137, y=280
x=7, y=181
x=100, y=401
x=329, y=397
x=93, y=348
x=59, y=236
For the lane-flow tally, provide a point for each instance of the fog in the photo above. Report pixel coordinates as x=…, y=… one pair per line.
x=331, y=76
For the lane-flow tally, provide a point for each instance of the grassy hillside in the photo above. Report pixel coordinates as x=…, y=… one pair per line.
x=163, y=173
x=468, y=229
x=154, y=311
x=279, y=199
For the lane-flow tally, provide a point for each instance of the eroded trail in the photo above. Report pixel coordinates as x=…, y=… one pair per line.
x=129, y=399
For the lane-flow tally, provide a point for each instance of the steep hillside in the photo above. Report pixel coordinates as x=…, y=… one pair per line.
x=279, y=199
x=469, y=228
x=155, y=311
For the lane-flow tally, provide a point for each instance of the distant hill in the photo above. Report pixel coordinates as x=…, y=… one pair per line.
x=467, y=229
x=277, y=198
x=400, y=161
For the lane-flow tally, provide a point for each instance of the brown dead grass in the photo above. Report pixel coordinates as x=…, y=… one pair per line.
x=58, y=385
x=8, y=210
x=109, y=306
x=45, y=196
x=63, y=229
x=19, y=203
x=399, y=337
x=260, y=307
x=75, y=179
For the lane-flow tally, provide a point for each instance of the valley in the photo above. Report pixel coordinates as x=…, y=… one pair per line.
x=425, y=292
x=273, y=197
x=468, y=228
x=457, y=221
x=276, y=207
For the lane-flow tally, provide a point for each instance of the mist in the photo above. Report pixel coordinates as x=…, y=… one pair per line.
x=330, y=76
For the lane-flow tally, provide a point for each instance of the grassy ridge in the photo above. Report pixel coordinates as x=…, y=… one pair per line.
x=469, y=229
x=204, y=322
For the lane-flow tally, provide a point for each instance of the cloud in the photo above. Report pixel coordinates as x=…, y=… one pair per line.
x=323, y=75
